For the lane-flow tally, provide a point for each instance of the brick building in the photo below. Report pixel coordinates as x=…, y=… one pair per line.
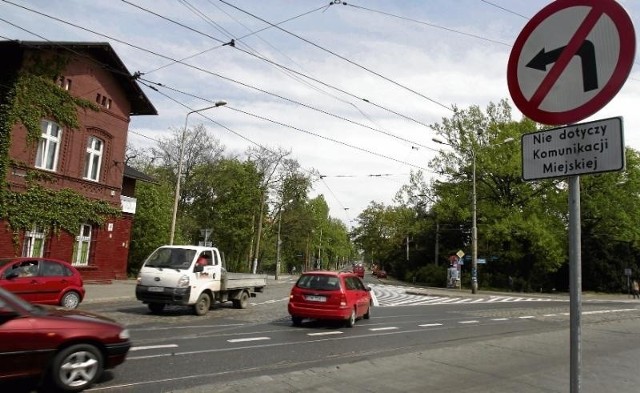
x=89, y=160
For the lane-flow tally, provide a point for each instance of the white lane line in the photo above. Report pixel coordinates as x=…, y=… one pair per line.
x=430, y=324
x=142, y=348
x=324, y=333
x=467, y=322
x=527, y=317
x=383, y=328
x=549, y=315
x=500, y=319
x=610, y=311
x=242, y=340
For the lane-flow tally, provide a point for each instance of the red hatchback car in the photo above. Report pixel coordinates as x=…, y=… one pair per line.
x=42, y=281
x=329, y=295
x=63, y=349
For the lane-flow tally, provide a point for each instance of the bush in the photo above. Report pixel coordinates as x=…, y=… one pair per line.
x=430, y=275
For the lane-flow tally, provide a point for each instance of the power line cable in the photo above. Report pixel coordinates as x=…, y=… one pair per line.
x=280, y=66
x=323, y=137
x=342, y=58
x=430, y=25
x=223, y=77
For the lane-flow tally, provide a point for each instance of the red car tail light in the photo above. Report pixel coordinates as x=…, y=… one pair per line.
x=343, y=301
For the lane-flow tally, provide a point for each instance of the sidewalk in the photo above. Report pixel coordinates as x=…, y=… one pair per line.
x=115, y=290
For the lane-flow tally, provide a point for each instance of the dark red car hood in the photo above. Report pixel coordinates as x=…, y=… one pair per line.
x=61, y=313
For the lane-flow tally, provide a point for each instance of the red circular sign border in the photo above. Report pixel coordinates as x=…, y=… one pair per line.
x=622, y=70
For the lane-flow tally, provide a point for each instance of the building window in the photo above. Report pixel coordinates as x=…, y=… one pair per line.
x=81, y=246
x=33, y=245
x=93, y=158
x=48, y=146
x=64, y=83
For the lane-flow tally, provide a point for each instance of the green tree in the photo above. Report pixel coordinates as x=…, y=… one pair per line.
x=521, y=226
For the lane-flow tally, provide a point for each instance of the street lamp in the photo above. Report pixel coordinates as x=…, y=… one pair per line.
x=279, y=241
x=474, y=216
x=180, y=159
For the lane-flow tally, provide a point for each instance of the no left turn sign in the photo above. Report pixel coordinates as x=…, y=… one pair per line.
x=570, y=60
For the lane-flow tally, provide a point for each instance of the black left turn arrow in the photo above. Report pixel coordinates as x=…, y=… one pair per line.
x=587, y=55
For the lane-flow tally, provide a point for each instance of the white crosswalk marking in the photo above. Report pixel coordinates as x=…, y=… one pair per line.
x=395, y=295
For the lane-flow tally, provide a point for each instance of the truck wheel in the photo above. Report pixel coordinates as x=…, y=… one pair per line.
x=156, y=308
x=243, y=301
x=77, y=367
x=202, y=305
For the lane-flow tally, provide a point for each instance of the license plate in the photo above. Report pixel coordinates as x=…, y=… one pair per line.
x=316, y=298
x=156, y=289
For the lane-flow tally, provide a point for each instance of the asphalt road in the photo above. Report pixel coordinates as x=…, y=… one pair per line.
x=487, y=346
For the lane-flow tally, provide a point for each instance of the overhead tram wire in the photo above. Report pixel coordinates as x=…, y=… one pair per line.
x=294, y=72
x=308, y=107
x=429, y=24
x=209, y=72
x=237, y=39
x=324, y=137
x=504, y=9
x=343, y=58
x=217, y=75
x=240, y=40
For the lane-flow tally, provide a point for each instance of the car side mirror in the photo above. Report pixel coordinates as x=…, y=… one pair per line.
x=198, y=268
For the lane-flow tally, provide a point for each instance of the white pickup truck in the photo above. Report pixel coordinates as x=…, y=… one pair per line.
x=193, y=276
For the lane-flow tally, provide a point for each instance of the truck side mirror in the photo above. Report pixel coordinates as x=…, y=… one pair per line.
x=198, y=268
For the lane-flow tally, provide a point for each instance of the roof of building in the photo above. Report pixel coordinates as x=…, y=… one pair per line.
x=136, y=174
x=104, y=55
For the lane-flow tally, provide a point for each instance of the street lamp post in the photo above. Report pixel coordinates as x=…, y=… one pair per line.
x=180, y=162
x=474, y=216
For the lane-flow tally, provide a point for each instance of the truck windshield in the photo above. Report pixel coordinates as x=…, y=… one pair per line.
x=173, y=258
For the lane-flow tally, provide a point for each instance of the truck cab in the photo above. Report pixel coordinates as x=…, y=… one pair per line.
x=192, y=276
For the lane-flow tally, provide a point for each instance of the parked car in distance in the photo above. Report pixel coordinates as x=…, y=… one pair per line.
x=42, y=281
x=63, y=349
x=381, y=273
x=331, y=296
x=358, y=269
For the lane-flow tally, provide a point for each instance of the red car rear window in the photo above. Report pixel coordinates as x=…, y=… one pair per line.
x=320, y=281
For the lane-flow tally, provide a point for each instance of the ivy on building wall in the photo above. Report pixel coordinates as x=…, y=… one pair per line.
x=32, y=96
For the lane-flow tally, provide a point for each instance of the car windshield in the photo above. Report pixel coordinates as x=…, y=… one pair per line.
x=318, y=281
x=174, y=258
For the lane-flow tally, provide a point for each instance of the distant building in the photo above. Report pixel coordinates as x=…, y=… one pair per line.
x=89, y=159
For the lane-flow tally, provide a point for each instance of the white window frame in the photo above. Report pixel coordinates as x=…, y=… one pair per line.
x=82, y=246
x=49, y=146
x=33, y=244
x=93, y=158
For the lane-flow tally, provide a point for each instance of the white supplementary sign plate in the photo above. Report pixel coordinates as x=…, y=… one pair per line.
x=585, y=148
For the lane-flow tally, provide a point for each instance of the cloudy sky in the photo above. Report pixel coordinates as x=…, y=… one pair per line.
x=350, y=88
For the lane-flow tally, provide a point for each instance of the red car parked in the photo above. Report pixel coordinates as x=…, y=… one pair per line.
x=64, y=349
x=42, y=281
x=329, y=295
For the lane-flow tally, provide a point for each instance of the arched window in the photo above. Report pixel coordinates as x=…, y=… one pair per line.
x=81, y=246
x=48, y=145
x=93, y=158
